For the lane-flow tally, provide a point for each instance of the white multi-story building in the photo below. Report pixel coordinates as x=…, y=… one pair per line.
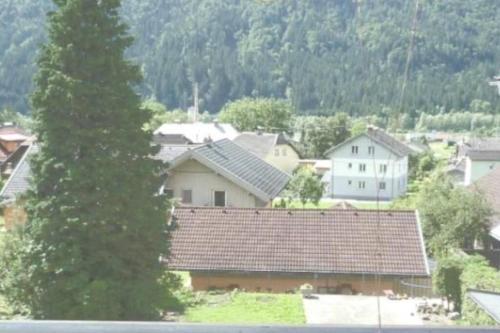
x=481, y=156
x=370, y=166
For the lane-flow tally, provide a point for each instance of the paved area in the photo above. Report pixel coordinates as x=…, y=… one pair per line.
x=360, y=310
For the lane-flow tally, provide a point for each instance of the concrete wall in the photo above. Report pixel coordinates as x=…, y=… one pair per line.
x=274, y=282
x=347, y=175
x=283, y=157
x=476, y=169
x=202, y=181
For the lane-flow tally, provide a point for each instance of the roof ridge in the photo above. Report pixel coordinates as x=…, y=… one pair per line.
x=319, y=210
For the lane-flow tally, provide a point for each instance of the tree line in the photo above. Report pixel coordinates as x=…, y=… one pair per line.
x=323, y=56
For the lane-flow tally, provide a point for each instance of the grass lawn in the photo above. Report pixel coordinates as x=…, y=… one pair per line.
x=241, y=307
x=441, y=150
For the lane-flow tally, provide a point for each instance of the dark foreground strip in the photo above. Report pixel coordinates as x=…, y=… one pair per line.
x=153, y=327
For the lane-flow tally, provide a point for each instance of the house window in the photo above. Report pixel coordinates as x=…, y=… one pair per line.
x=187, y=196
x=283, y=152
x=349, y=182
x=383, y=168
x=361, y=185
x=362, y=167
x=371, y=150
x=169, y=193
x=350, y=165
x=276, y=152
x=381, y=186
x=219, y=198
x=354, y=149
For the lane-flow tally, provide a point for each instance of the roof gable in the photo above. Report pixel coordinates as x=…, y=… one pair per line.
x=263, y=144
x=240, y=166
x=18, y=182
x=301, y=241
x=258, y=144
x=380, y=137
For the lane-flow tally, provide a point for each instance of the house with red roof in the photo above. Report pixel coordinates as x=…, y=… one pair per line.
x=278, y=250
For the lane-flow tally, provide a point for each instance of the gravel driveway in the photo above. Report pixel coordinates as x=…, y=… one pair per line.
x=359, y=310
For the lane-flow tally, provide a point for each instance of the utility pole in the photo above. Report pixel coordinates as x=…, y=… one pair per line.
x=194, y=111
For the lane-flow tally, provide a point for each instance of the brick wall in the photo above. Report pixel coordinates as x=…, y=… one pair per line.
x=367, y=285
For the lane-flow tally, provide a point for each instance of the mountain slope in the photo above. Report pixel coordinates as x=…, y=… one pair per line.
x=325, y=55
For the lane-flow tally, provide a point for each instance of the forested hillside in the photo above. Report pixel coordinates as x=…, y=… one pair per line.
x=324, y=55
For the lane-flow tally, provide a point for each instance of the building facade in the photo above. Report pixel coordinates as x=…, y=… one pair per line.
x=370, y=166
x=223, y=174
x=278, y=250
x=276, y=149
x=192, y=183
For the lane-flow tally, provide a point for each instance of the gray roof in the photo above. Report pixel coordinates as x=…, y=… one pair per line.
x=261, y=144
x=171, y=139
x=489, y=185
x=168, y=153
x=484, y=155
x=482, y=149
x=388, y=141
x=18, y=182
x=382, y=138
x=242, y=167
x=489, y=301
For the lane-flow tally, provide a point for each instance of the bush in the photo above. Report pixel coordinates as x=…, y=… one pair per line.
x=477, y=274
x=446, y=279
x=14, y=277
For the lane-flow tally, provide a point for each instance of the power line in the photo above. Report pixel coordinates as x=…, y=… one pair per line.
x=410, y=54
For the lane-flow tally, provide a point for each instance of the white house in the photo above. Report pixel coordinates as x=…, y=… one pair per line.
x=370, y=166
x=221, y=173
x=481, y=157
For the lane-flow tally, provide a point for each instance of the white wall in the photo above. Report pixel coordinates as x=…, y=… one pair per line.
x=476, y=169
x=192, y=175
x=346, y=169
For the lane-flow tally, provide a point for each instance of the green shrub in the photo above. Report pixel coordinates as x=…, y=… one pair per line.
x=446, y=279
x=477, y=274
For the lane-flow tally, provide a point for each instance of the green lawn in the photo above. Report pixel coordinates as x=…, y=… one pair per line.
x=240, y=307
x=441, y=150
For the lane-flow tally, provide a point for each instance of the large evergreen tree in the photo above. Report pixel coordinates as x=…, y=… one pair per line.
x=96, y=226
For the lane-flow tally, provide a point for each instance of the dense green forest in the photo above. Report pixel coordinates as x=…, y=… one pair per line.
x=324, y=56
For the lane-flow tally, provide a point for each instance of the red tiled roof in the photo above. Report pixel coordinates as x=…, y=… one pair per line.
x=282, y=240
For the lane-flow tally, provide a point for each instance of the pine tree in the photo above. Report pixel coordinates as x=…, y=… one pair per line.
x=97, y=227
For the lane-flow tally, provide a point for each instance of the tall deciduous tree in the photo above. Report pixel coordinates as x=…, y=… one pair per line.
x=305, y=186
x=452, y=217
x=96, y=227
x=322, y=133
x=250, y=114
